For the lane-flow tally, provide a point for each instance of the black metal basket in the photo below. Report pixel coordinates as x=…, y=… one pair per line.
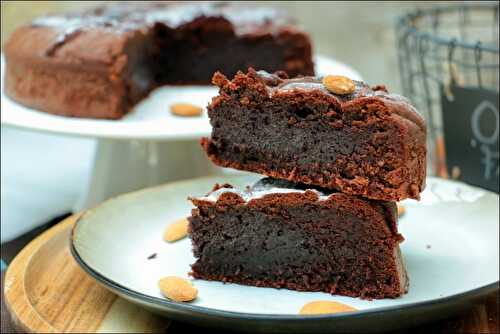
x=449, y=66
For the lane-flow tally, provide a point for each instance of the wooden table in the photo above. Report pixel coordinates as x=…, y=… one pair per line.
x=47, y=291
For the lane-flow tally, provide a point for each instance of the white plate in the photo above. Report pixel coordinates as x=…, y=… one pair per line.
x=451, y=252
x=150, y=119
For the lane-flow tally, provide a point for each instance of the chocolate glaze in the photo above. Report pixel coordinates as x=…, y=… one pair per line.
x=139, y=16
x=400, y=105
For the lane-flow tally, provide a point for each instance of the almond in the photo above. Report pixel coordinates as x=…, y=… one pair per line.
x=401, y=210
x=177, y=288
x=455, y=173
x=176, y=231
x=325, y=307
x=185, y=109
x=339, y=84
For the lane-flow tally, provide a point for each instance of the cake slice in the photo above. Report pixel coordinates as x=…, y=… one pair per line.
x=352, y=138
x=282, y=235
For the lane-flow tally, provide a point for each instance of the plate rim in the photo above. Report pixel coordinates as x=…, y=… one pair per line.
x=458, y=299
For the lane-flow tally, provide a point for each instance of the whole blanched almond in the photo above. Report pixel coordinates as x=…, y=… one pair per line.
x=325, y=307
x=185, y=109
x=177, y=289
x=401, y=210
x=176, y=231
x=455, y=173
x=339, y=84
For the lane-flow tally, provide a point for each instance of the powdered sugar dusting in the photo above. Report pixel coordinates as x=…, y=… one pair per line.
x=256, y=193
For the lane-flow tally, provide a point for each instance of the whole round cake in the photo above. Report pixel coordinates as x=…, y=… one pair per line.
x=99, y=63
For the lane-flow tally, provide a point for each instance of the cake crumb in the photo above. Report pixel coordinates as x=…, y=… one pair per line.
x=152, y=256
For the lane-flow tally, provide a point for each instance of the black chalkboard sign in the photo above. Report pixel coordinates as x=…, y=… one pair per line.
x=471, y=127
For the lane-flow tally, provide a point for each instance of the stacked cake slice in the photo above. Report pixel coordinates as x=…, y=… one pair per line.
x=338, y=154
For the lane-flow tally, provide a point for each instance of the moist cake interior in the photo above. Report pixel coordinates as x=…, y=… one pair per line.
x=294, y=129
x=279, y=235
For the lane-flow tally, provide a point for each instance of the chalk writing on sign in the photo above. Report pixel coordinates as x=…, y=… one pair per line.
x=486, y=141
x=471, y=131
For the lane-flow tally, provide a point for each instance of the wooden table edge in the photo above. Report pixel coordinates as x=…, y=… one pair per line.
x=15, y=275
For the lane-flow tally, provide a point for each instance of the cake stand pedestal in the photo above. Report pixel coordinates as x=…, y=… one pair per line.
x=147, y=147
x=122, y=166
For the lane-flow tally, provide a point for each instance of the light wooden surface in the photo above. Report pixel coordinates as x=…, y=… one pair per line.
x=46, y=291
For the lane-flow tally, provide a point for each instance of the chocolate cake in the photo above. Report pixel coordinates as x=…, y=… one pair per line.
x=101, y=62
x=284, y=235
x=367, y=142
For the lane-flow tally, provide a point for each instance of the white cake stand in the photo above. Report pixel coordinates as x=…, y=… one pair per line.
x=149, y=146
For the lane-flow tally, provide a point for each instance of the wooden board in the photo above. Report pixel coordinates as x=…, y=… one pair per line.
x=46, y=291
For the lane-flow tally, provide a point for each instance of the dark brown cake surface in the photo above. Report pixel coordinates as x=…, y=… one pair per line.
x=368, y=143
x=100, y=62
x=277, y=234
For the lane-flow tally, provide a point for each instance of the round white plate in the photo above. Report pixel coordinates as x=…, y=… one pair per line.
x=150, y=119
x=451, y=254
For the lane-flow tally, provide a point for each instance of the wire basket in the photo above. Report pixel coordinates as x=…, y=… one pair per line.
x=446, y=53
